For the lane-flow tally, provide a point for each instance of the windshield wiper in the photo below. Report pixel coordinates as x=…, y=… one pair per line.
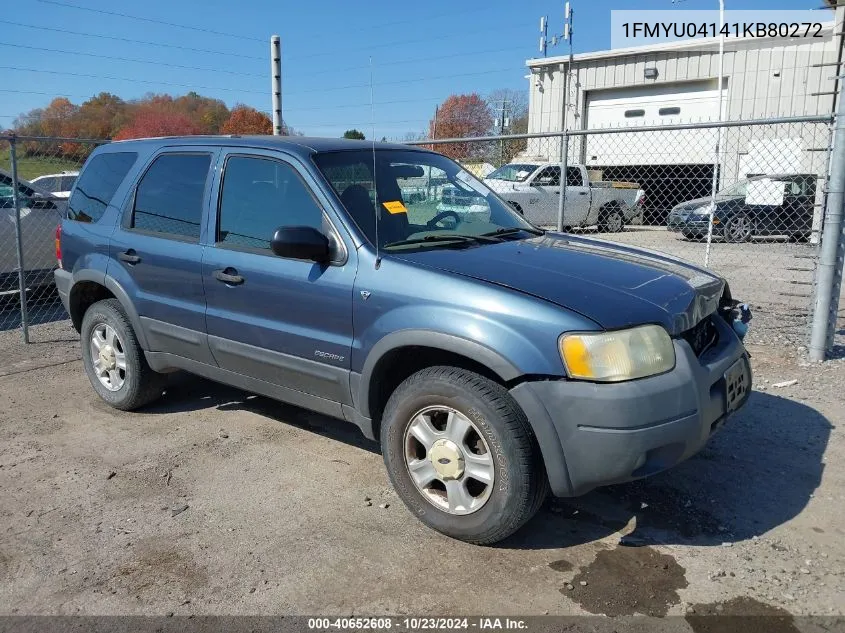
x=453, y=237
x=514, y=229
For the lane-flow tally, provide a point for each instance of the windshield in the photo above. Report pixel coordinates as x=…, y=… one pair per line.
x=736, y=190
x=422, y=198
x=512, y=173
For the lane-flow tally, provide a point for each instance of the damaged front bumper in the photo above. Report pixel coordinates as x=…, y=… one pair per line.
x=594, y=434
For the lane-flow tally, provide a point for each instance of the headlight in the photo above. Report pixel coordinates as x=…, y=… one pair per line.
x=705, y=210
x=616, y=356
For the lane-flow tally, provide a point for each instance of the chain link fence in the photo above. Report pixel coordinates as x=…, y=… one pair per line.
x=653, y=187
x=45, y=170
x=646, y=187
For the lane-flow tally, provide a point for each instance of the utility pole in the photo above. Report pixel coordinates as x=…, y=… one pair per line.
x=276, y=85
x=720, y=140
x=502, y=123
x=564, y=141
x=434, y=136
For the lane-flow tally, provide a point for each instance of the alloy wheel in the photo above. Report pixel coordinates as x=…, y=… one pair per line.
x=108, y=357
x=448, y=460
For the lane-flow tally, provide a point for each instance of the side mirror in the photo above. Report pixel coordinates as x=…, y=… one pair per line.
x=301, y=242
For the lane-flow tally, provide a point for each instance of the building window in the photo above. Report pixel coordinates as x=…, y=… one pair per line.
x=669, y=111
x=630, y=114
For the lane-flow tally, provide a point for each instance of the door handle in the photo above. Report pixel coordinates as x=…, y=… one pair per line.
x=129, y=257
x=228, y=276
x=582, y=193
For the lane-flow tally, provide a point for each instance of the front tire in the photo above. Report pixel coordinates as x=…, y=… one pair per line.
x=113, y=359
x=739, y=228
x=461, y=455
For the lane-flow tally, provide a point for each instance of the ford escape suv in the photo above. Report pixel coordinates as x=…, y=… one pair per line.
x=493, y=360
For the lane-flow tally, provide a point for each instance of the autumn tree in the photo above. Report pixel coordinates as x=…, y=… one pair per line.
x=102, y=116
x=107, y=116
x=354, y=134
x=247, y=120
x=460, y=116
x=57, y=119
x=209, y=114
x=152, y=121
x=514, y=105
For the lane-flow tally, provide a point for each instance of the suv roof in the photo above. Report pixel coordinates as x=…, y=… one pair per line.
x=302, y=145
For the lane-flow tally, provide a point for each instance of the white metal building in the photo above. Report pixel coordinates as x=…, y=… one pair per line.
x=676, y=82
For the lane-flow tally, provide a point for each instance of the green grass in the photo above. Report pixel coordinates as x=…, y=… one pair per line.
x=30, y=167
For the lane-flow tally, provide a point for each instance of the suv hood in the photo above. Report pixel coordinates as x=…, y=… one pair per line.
x=614, y=285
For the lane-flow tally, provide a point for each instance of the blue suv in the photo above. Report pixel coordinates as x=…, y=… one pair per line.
x=493, y=360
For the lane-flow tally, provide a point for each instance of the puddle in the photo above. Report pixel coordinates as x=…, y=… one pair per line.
x=628, y=580
x=740, y=614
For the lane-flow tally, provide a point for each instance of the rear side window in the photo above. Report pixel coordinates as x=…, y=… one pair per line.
x=169, y=197
x=573, y=177
x=97, y=184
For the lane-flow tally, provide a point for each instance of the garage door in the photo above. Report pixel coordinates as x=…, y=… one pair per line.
x=665, y=104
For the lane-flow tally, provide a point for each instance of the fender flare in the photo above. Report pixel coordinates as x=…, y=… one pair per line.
x=491, y=359
x=119, y=293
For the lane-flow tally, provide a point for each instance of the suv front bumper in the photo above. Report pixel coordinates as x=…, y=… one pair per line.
x=596, y=434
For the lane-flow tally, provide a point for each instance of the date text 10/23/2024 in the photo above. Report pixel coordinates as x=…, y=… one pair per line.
x=417, y=623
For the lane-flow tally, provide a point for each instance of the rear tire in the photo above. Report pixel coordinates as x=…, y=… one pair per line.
x=118, y=370
x=611, y=220
x=438, y=403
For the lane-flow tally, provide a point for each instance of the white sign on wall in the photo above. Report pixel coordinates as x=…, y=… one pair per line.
x=765, y=192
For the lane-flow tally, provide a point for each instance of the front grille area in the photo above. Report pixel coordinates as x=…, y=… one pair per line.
x=702, y=336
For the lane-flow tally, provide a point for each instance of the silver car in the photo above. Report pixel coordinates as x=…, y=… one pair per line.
x=40, y=215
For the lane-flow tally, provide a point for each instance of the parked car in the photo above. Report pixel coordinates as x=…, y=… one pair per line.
x=40, y=214
x=492, y=359
x=57, y=184
x=533, y=189
x=762, y=205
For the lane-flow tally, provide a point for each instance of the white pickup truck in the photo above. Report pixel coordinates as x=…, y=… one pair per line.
x=533, y=188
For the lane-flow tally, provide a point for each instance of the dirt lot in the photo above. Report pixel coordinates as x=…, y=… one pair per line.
x=291, y=512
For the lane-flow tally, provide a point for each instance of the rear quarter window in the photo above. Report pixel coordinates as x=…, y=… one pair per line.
x=97, y=185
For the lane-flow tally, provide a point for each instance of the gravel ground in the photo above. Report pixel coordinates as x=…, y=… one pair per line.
x=214, y=501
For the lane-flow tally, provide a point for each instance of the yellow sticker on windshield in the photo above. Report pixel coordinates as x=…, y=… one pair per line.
x=395, y=207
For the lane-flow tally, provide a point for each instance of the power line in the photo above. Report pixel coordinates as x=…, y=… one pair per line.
x=131, y=41
x=361, y=105
x=404, y=81
x=129, y=59
x=150, y=20
x=142, y=81
x=393, y=43
x=414, y=20
x=418, y=59
x=47, y=94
